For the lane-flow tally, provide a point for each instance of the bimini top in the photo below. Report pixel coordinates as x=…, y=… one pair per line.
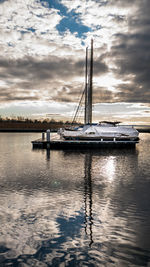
x=109, y=123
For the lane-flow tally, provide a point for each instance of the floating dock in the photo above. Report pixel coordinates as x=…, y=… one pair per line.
x=57, y=143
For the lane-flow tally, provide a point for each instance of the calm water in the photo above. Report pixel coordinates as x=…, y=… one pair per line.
x=73, y=208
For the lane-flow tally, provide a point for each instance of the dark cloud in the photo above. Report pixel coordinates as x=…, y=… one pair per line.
x=30, y=73
x=74, y=93
x=52, y=67
x=69, y=93
x=38, y=69
x=122, y=3
x=118, y=18
x=7, y=95
x=131, y=55
x=102, y=95
x=133, y=93
x=100, y=67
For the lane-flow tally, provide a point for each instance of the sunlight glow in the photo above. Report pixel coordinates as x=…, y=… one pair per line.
x=108, y=81
x=109, y=168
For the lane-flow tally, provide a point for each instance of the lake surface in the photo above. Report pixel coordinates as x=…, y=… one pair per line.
x=73, y=208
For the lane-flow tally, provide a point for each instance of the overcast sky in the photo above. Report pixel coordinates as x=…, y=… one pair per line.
x=42, y=54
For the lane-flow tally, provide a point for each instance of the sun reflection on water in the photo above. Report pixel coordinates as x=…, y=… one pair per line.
x=110, y=168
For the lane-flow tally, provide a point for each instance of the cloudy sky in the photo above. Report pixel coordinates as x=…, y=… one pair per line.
x=42, y=54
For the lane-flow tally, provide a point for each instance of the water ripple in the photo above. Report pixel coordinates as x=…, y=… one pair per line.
x=73, y=208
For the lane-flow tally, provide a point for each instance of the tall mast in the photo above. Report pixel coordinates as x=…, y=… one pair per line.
x=86, y=88
x=90, y=86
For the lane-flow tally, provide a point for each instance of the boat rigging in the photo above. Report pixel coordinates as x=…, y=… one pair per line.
x=103, y=131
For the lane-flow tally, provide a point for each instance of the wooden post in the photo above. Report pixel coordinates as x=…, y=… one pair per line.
x=43, y=136
x=48, y=135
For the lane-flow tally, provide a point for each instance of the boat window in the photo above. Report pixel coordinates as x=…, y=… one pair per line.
x=91, y=132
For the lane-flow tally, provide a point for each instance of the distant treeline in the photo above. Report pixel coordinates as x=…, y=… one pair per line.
x=21, y=119
x=25, y=124
x=21, y=124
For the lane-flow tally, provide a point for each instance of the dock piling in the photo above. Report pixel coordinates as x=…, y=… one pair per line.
x=48, y=135
x=43, y=136
x=48, y=138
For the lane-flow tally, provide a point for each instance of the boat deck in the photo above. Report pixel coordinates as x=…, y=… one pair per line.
x=57, y=143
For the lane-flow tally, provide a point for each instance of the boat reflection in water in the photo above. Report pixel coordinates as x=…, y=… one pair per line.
x=74, y=208
x=100, y=182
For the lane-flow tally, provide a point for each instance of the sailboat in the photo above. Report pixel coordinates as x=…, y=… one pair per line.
x=105, y=131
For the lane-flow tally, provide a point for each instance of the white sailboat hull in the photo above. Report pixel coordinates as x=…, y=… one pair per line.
x=102, y=133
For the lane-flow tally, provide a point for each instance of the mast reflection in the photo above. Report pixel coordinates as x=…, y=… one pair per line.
x=109, y=167
x=88, y=197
